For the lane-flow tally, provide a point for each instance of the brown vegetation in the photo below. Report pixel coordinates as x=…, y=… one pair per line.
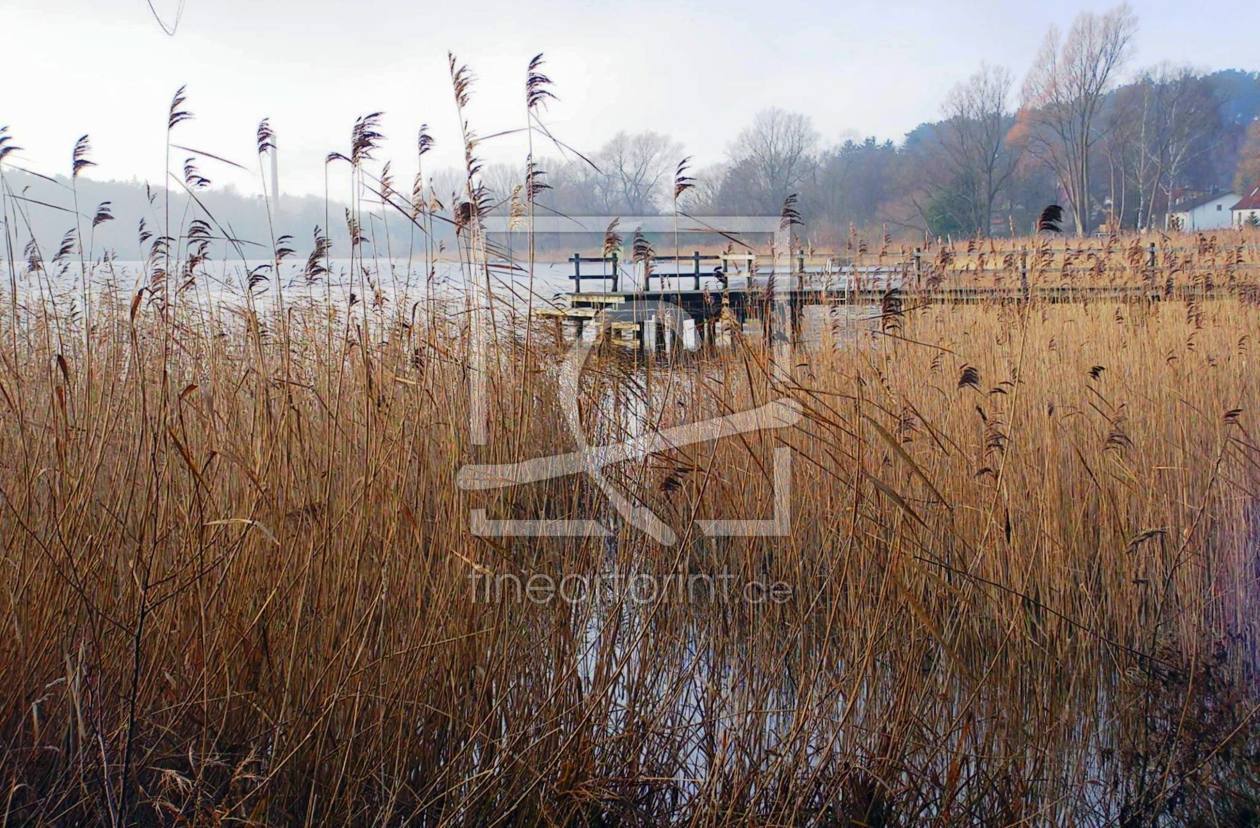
x=239, y=580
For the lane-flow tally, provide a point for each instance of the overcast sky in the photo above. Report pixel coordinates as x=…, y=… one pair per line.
x=696, y=70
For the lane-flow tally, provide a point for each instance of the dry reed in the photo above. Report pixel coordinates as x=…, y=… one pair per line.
x=1020, y=585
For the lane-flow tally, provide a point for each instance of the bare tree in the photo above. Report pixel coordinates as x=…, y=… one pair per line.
x=576, y=188
x=1181, y=118
x=636, y=169
x=777, y=152
x=1064, y=92
x=706, y=195
x=974, y=137
x=503, y=181
x=1123, y=157
x=1157, y=126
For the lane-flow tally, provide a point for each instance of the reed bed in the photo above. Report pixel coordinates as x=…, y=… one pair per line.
x=1227, y=258
x=1020, y=584
x=1022, y=573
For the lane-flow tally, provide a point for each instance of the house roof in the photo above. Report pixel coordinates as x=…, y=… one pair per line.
x=1251, y=201
x=1192, y=202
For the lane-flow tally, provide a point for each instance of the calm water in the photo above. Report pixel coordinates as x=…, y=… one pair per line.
x=379, y=278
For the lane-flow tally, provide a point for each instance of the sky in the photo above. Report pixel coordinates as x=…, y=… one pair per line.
x=698, y=71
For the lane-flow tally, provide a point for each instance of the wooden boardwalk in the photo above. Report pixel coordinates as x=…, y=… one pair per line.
x=708, y=308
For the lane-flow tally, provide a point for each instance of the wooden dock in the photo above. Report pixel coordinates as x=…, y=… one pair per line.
x=716, y=300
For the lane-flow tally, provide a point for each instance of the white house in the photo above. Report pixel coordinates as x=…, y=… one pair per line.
x=1210, y=212
x=1247, y=211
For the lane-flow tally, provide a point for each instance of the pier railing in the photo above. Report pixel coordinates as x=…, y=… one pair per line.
x=610, y=270
x=687, y=271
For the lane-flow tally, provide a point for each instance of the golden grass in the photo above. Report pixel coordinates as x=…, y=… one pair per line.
x=239, y=581
x=1210, y=258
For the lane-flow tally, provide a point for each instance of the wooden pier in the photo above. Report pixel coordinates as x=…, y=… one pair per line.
x=719, y=292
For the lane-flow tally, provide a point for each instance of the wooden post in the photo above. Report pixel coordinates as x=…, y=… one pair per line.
x=1023, y=270
x=649, y=334
x=577, y=272
x=778, y=317
x=615, y=273
x=695, y=258
x=918, y=267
